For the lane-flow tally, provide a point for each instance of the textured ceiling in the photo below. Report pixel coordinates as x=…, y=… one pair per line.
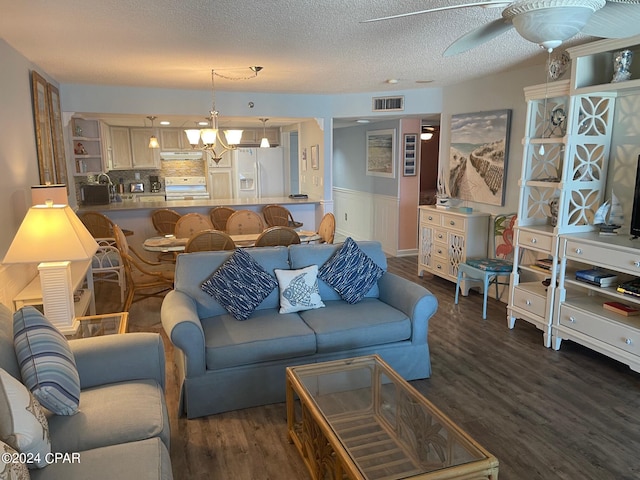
x=305, y=46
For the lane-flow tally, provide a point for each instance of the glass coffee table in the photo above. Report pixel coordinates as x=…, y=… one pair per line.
x=358, y=419
x=98, y=325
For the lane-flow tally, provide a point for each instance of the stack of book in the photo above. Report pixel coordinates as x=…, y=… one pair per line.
x=596, y=277
x=631, y=287
x=546, y=264
x=621, y=308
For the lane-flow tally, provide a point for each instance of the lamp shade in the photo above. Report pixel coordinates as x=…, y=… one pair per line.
x=51, y=233
x=233, y=136
x=57, y=193
x=209, y=136
x=153, y=142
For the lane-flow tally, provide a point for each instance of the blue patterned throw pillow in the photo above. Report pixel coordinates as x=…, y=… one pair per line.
x=350, y=272
x=47, y=365
x=240, y=284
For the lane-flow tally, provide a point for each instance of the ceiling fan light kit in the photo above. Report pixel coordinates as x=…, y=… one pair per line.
x=550, y=22
x=547, y=23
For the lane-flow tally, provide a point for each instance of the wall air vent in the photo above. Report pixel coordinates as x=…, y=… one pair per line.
x=385, y=104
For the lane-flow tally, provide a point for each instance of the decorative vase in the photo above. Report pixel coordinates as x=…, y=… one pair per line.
x=622, y=66
x=553, y=209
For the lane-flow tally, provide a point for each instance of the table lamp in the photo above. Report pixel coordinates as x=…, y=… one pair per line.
x=54, y=236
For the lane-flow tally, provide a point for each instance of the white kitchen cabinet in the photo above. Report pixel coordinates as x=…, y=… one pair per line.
x=448, y=237
x=221, y=183
x=121, y=158
x=581, y=316
x=173, y=140
x=144, y=157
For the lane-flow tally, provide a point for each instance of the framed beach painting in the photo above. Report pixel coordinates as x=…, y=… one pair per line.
x=381, y=161
x=478, y=156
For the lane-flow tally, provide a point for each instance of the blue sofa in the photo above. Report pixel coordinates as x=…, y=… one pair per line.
x=225, y=364
x=122, y=427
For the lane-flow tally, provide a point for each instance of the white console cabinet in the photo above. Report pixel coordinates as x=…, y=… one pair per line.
x=580, y=315
x=448, y=237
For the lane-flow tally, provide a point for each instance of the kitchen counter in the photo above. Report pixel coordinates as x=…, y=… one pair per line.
x=136, y=215
x=191, y=204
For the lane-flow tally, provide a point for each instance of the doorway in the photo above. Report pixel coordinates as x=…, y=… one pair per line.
x=429, y=153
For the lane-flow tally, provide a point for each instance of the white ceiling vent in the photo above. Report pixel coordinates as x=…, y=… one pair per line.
x=385, y=104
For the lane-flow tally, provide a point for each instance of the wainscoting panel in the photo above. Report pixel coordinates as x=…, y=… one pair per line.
x=385, y=223
x=363, y=216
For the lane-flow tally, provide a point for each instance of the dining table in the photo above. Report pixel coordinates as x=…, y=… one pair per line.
x=170, y=243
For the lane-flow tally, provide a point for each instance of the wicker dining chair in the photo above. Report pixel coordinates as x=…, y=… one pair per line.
x=327, y=228
x=277, y=215
x=244, y=221
x=142, y=275
x=99, y=225
x=164, y=221
x=192, y=223
x=274, y=236
x=219, y=217
x=209, y=240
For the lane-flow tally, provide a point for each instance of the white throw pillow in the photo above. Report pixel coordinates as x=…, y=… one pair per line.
x=299, y=289
x=10, y=466
x=22, y=422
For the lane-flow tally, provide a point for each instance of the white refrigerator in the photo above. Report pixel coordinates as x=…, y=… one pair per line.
x=259, y=172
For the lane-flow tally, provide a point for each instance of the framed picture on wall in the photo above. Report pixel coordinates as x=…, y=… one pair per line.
x=42, y=120
x=304, y=159
x=59, y=160
x=381, y=161
x=410, y=154
x=478, y=156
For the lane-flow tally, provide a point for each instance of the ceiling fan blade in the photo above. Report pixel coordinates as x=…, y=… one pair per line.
x=487, y=4
x=614, y=20
x=478, y=36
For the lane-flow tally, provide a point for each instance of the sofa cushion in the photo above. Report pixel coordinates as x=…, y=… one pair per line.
x=192, y=269
x=343, y=326
x=8, y=359
x=11, y=468
x=304, y=255
x=47, y=365
x=143, y=460
x=299, y=289
x=23, y=424
x=267, y=335
x=350, y=272
x=240, y=284
x=111, y=414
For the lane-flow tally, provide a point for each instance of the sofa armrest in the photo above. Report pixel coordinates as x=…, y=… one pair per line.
x=418, y=303
x=180, y=321
x=119, y=358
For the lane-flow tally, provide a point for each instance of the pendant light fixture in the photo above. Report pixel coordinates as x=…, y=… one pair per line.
x=264, y=143
x=211, y=136
x=153, y=140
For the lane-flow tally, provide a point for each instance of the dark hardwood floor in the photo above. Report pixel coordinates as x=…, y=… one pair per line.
x=570, y=414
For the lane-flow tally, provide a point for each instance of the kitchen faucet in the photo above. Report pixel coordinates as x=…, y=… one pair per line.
x=102, y=174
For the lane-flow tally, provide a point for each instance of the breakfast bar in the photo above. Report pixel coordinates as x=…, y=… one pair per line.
x=136, y=216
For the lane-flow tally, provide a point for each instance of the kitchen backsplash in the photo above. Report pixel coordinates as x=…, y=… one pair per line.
x=169, y=168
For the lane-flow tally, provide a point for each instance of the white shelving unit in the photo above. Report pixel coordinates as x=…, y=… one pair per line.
x=564, y=170
x=579, y=314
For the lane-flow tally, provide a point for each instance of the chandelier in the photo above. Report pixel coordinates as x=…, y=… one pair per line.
x=210, y=137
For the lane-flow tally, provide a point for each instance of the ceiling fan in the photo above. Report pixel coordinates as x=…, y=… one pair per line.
x=546, y=22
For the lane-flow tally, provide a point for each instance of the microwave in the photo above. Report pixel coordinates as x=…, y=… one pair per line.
x=95, y=194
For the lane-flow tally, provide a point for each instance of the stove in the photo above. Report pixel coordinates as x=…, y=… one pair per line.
x=186, y=188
